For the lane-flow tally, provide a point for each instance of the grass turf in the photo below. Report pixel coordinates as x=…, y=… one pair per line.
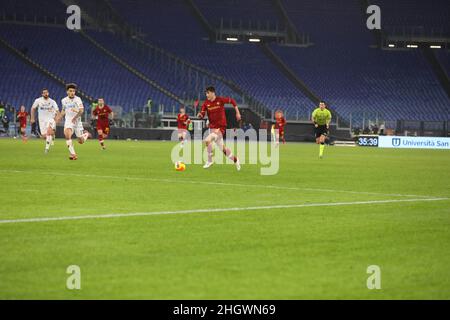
x=286, y=253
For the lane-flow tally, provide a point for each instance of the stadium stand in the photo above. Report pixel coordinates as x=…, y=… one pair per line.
x=342, y=67
x=422, y=17
x=76, y=60
x=344, y=70
x=245, y=64
x=21, y=84
x=236, y=11
x=443, y=57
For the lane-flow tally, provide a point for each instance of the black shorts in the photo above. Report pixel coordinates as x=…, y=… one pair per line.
x=321, y=131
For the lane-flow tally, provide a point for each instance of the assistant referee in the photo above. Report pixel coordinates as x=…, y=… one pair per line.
x=321, y=117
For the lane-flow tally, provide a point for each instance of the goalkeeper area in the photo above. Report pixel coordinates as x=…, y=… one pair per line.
x=138, y=229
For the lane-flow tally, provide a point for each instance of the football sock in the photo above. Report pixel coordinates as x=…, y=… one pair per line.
x=228, y=153
x=100, y=139
x=48, y=141
x=322, y=146
x=85, y=136
x=70, y=146
x=209, y=148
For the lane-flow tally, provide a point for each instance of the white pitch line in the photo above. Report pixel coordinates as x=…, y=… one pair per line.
x=212, y=210
x=217, y=183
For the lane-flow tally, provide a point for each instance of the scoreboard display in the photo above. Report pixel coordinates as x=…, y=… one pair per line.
x=367, y=141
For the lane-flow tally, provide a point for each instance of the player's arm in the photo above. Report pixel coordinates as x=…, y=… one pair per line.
x=313, y=118
x=79, y=114
x=233, y=102
x=32, y=112
x=328, y=119
x=202, y=112
x=60, y=115
x=57, y=113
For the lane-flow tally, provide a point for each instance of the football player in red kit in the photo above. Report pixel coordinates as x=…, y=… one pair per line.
x=22, y=116
x=215, y=108
x=280, y=123
x=183, y=122
x=102, y=113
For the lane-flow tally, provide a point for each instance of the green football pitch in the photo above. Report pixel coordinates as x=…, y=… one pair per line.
x=138, y=229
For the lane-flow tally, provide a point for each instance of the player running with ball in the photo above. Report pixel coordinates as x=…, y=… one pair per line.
x=48, y=113
x=72, y=109
x=321, y=117
x=215, y=108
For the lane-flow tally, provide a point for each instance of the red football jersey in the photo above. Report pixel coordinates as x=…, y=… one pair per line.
x=183, y=120
x=280, y=123
x=216, y=111
x=103, y=113
x=22, y=116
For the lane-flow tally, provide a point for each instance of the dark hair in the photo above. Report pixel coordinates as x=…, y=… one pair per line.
x=71, y=86
x=210, y=89
x=44, y=89
x=101, y=98
x=321, y=101
x=182, y=107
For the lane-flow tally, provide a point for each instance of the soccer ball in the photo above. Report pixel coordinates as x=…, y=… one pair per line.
x=180, y=166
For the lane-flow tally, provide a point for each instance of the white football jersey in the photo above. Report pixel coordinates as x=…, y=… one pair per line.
x=47, y=108
x=71, y=107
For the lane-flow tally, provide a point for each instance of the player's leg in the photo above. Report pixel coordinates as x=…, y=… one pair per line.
x=81, y=134
x=227, y=151
x=23, y=133
x=68, y=132
x=181, y=138
x=48, y=126
x=322, y=142
x=101, y=138
x=282, y=136
x=209, y=141
x=49, y=138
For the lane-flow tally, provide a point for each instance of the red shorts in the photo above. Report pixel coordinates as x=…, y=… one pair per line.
x=23, y=125
x=104, y=126
x=222, y=130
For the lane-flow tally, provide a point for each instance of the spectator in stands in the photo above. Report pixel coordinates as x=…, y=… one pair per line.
x=366, y=130
x=375, y=129
x=2, y=109
x=5, y=122
x=382, y=128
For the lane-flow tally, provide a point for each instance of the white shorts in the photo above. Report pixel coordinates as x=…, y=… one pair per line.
x=44, y=124
x=77, y=127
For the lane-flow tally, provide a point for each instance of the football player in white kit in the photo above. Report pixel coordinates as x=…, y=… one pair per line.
x=72, y=108
x=47, y=113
